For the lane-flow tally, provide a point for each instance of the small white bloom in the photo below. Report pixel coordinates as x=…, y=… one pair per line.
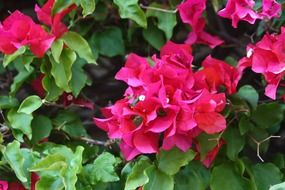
x=167, y=100
x=249, y=52
x=141, y=97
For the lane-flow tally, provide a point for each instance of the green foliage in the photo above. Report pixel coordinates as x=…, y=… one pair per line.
x=20, y=123
x=194, y=175
x=46, y=129
x=102, y=170
x=59, y=168
x=62, y=71
x=70, y=123
x=154, y=37
x=78, y=44
x=30, y=104
x=9, y=58
x=267, y=115
x=131, y=10
x=138, y=176
x=8, y=102
x=165, y=21
x=171, y=161
x=20, y=160
x=41, y=128
x=249, y=94
x=235, y=142
x=109, y=41
x=88, y=7
x=227, y=176
x=158, y=180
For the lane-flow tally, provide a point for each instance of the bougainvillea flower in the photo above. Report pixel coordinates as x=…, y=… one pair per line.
x=19, y=30
x=207, y=113
x=244, y=10
x=268, y=58
x=217, y=74
x=44, y=15
x=191, y=12
x=131, y=73
x=3, y=185
x=166, y=102
x=270, y=9
x=239, y=10
x=203, y=38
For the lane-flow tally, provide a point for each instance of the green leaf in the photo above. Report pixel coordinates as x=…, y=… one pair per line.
x=9, y=58
x=109, y=41
x=21, y=122
x=166, y=21
x=131, y=10
x=104, y=168
x=158, y=180
x=49, y=182
x=154, y=37
x=62, y=71
x=7, y=102
x=171, y=161
x=205, y=144
x=249, y=94
x=79, y=78
x=280, y=186
x=70, y=123
x=51, y=162
x=194, y=175
x=60, y=167
x=69, y=174
x=245, y=125
x=52, y=90
x=19, y=79
x=267, y=115
x=30, y=104
x=77, y=43
x=226, y=176
x=20, y=160
x=266, y=175
x=14, y=157
x=234, y=142
x=138, y=176
x=56, y=49
x=88, y=7
x=60, y=5
x=41, y=128
x=101, y=12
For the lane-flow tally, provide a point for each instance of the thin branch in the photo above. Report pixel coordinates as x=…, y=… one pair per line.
x=159, y=9
x=96, y=142
x=258, y=143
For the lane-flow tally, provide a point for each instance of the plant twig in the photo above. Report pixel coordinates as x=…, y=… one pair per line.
x=258, y=143
x=159, y=9
x=96, y=142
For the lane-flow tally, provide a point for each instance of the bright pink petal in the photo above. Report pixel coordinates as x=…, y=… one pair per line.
x=146, y=142
x=211, y=122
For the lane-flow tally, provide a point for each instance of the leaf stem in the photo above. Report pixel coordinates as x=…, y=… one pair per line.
x=158, y=9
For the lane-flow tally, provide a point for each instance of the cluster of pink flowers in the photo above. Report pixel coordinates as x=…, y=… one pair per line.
x=168, y=104
x=268, y=58
x=244, y=10
x=19, y=30
x=191, y=12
